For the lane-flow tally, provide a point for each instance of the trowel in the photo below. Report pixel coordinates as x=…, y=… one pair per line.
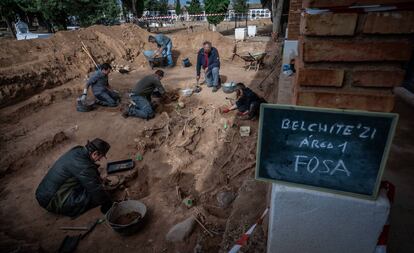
x=70, y=243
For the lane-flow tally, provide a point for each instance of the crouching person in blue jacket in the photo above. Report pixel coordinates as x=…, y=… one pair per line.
x=73, y=185
x=100, y=87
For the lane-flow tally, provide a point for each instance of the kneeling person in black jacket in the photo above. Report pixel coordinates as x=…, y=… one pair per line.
x=248, y=102
x=73, y=185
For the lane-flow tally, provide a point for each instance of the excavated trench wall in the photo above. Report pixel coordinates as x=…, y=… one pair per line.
x=31, y=66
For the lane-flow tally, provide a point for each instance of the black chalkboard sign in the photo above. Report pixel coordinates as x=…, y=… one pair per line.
x=341, y=151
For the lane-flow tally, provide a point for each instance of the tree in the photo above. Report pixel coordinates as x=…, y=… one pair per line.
x=240, y=6
x=87, y=11
x=177, y=7
x=213, y=7
x=134, y=6
x=57, y=12
x=152, y=5
x=163, y=7
x=194, y=7
x=266, y=4
x=8, y=11
x=277, y=9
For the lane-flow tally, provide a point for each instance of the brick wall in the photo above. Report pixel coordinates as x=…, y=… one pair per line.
x=352, y=60
x=295, y=7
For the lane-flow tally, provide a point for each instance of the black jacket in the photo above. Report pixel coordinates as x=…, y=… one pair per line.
x=74, y=168
x=213, y=59
x=146, y=86
x=248, y=97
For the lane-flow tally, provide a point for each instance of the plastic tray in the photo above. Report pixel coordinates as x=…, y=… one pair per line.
x=117, y=166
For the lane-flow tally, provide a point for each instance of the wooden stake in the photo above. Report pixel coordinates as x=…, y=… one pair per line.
x=89, y=54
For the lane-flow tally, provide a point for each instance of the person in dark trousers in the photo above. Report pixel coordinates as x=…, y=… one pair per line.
x=248, y=103
x=164, y=45
x=141, y=106
x=208, y=59
x=73, y=185
x=100, y=87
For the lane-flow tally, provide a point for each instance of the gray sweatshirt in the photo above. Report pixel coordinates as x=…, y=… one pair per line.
x=147, y=85
x=99, y=82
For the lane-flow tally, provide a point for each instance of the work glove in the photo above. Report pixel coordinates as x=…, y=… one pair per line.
x=242, y=113
x=225, y=110
x=83, y=97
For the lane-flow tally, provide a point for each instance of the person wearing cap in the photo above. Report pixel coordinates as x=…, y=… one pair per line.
x=100, y=87
x=248, y=103
x=164, y=45
x=208, y=58
x=73, y=185
x=140, y=105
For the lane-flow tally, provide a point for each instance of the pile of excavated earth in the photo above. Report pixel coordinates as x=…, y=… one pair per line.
x=30, y=66
x=194, y=170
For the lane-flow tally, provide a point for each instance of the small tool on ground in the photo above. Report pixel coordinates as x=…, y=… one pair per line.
x=70, y=243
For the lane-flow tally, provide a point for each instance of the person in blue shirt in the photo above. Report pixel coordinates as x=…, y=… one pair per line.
x=100, y=87
x=208, y=58
x=248, y=103
x=164, y=45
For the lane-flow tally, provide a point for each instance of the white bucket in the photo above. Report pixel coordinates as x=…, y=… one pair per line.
x=240, y=33
x=251, y=30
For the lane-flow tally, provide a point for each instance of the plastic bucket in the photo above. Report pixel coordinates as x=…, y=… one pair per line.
x=186, y=63
x=123, y=208
x=251, y=30
x=149, y=53
x=240, y=33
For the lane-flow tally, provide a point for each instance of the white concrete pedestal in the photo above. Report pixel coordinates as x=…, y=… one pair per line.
x=307, y=221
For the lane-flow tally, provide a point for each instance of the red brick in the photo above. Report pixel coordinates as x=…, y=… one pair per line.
x=293, y=26
x=345, y=100
x=377, y=78
x=355, y=50
x=320, y=77
x=398, y=22
x=328, y=24
x=295, y=4
x=336, y=3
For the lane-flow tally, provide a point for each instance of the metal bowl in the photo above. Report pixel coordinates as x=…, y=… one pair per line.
x=186, y=92
x=228, y=87
x=122, y=208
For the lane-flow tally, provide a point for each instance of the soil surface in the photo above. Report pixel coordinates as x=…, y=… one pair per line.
x=127, y=218
x=187, y=152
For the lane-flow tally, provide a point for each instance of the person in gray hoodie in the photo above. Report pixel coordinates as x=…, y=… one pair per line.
x=100, y=87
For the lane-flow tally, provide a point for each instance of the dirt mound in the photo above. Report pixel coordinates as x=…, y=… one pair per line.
x=31, y=66
x=189, y=44
x=28, y=67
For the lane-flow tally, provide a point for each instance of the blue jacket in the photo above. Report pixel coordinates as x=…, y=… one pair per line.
x=213, y=59
x=248, y=97
x=162, y=40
